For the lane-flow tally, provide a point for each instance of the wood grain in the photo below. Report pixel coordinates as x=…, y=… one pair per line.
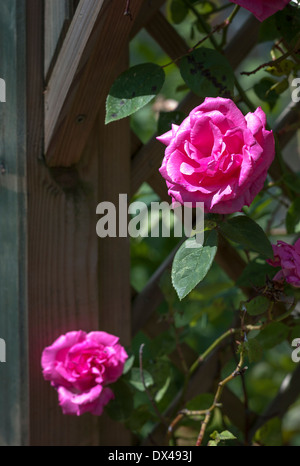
x=82, y=77
x=62, y=253
x=13, y=303
x=114, y=253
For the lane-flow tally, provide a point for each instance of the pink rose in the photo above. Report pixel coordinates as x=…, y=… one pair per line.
x=79, y=366
x=262, y=9
x=218, y=156
x=287, y=257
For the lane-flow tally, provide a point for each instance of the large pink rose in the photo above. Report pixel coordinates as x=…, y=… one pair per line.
x=262, y=9
x=287, y=257
x=79, y=366
x=218, y=156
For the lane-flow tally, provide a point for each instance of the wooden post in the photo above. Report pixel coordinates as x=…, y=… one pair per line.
x=56, y=275
x=61, y=255
x=13, y=306
x=114, y=253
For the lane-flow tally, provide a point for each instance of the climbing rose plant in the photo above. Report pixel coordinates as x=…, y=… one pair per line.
x=227, y=153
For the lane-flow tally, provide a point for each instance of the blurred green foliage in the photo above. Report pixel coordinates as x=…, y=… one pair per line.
x=213, y=305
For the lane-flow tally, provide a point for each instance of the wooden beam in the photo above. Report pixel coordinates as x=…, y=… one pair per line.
x=166, y=36
x=57, y=15
x=146, y=14
x=82, y=76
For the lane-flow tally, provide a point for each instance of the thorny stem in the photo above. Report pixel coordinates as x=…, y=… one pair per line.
x=127, y=11
x=200, y=360
x=201, y=41
x=238, y=371
x=228, y=21
x=292, y=52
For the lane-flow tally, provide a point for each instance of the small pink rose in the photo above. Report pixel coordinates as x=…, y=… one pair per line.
x=218, y=156
x=262, y=9
x=287, y=257
x=80, y=365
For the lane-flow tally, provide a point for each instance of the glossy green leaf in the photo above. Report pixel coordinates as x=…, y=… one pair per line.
x=244, y=231
x=191, y=265
x=207, y=73
x=132, y=90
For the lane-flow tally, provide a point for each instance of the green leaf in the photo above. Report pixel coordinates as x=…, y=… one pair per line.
x=255, y=273
x=273, y=334
x=254, y=350
x=218, y=437
x=284, y=68
x=166, y=119
x=132, y=90
x=191, y=265
x=163, y=390
x=128, y=364
x=292, y=220
x=136, y=381
x=257, y=305
x=207, y=73
x=270, y=434
x=226, y=435
x=120, y=409
x=268, y=30
x=285, y=23
x=200, y=402
x=263, y=90
x=281, y=86
x=288, y=23
x=176, y=11
x=244, y=231
x=212, y=443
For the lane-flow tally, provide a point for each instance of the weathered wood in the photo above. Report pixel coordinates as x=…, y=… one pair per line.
x=13, y=311
x=62, y=256
x=114, y=253
x=79, y=83
x=57, y=15
x=145, y=15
